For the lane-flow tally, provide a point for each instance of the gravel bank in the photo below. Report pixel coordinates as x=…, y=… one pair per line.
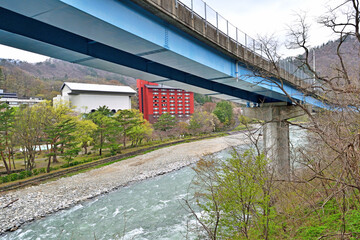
x=21, y=206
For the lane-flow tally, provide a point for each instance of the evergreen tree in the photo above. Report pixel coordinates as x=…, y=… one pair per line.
x=165, y=122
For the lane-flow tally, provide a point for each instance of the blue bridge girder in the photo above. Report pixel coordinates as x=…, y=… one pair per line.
x=122, y=37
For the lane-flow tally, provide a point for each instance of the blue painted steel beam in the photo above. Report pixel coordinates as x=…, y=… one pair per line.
x=25, y=26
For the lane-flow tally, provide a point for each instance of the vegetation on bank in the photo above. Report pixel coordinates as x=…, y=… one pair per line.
x=44, y=138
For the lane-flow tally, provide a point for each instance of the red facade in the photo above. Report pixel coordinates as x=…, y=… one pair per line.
x=155, y=100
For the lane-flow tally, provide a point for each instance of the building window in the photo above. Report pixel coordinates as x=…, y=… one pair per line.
x=172, y=108
x=156, y=101
x=180, y=112
x=155, y=96
x=179, y=94
x=155, y=93
x=187, y=94
x=172, y=100
x=155, y=89
x=187, y=101
x=179, y=108
x=156, y=112
x=172, y=104
x=179, y=90
x=179, y=100
x=156, y=108
x=172, y=97
x=187, y=97
x=171, y=93
x=164, y=104
x=163, y=97
x=163, y=100
x=155, y=104
x=179, y=97
x=164, y=109
x=187, y=115
x=179, y=105
x=163, y=93
x=171, y=90
x=164, y=90
x=187, y=104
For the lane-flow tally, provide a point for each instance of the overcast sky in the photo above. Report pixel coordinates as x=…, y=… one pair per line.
x=254, y=17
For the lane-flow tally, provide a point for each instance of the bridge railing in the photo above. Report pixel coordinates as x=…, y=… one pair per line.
x=202, y=10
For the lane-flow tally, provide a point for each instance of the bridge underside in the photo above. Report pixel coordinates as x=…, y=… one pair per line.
x=131, y=42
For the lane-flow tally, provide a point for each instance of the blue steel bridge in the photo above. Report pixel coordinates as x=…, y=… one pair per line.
x=181, y=44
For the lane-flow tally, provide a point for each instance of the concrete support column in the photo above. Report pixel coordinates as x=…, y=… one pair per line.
x=276, y=133
x=277, y=146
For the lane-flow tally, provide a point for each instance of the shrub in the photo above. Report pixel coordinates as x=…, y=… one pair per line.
x=22, y=175
x=5, y=179
x=35, y=171
x=28, y=173
x=13, y=177
x=42, y=170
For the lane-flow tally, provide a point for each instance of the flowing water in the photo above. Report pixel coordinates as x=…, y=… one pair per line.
x=151, y=209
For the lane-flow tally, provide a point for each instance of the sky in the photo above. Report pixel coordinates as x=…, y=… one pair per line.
x=254, y=17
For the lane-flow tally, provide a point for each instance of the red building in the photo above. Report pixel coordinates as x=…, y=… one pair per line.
x=155, y=99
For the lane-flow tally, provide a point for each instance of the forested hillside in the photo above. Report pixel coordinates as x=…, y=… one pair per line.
x=44, y=79
x=328, y=63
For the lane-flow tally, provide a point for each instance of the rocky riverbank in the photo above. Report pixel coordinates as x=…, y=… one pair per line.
x=25, y=205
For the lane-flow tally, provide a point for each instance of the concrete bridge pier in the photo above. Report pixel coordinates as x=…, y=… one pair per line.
x=276, y=133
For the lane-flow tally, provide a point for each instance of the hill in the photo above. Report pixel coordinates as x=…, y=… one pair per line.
x=327, y=60
x=44, y=79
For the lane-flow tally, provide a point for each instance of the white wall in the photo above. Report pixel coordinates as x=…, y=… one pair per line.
x=85, y=102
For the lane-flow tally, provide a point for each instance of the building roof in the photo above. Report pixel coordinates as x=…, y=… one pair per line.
x=160, y=87
x=87, y=87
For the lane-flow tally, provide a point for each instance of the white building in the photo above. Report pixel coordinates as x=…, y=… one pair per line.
x=84, y=97
x=13, y=100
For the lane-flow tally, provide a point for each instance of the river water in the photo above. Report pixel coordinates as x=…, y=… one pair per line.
x=151, y=209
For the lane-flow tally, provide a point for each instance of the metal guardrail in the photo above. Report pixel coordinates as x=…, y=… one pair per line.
x=211, y=17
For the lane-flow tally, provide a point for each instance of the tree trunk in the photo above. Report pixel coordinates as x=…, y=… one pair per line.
x=85, y=148
x=5, y=164
x=12, y=157
x=48, y=166
x=54, y=150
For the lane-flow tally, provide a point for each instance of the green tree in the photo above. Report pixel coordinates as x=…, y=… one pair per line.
x=201, y=122
x=139, y=132
x=29, y=133
x=224, y=112
x=7, y=118
x=128, y=119
x=235, y=197
x=106, y=129
x=84, y=133
x=165, y=122
x=61, y=136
